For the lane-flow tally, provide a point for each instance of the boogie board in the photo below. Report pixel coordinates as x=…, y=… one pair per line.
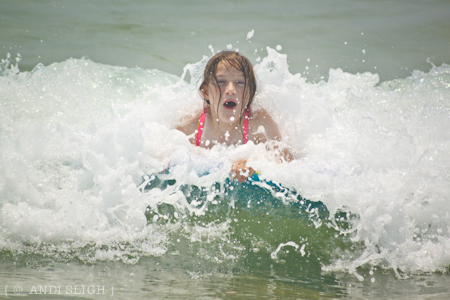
x=256, y=196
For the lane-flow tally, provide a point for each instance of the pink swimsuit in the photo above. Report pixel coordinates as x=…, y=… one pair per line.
x=201, y=123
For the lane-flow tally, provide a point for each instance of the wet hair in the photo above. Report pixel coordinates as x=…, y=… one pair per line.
x=235, y=60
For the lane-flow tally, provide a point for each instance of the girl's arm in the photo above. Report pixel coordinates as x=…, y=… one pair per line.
x=189, y=126
x=263, y=129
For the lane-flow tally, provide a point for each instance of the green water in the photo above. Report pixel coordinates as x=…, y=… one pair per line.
x=230, y=251
x=156, y=278
x=391, y=38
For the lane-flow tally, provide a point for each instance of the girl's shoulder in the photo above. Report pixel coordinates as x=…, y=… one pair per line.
x=188, y=125
x=259, y=114
x=262, y=126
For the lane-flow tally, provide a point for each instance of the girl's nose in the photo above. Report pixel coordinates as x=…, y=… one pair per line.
x=231, y=89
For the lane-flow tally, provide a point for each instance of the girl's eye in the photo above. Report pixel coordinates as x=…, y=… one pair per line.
x=240, y=82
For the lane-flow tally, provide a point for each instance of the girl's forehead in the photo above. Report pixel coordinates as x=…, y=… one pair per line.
x=224, y=69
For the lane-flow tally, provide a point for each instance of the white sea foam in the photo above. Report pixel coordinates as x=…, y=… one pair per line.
x=77, y=138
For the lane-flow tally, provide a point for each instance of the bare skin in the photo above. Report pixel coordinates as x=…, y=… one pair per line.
x=224, y=122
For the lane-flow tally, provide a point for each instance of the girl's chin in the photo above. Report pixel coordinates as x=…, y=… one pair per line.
x=230, y=119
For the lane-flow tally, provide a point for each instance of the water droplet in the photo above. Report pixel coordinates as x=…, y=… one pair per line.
x=250, y=34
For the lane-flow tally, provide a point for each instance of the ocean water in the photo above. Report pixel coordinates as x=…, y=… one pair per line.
x=101, y=197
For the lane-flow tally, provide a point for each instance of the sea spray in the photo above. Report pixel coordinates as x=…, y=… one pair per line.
x=78, y=140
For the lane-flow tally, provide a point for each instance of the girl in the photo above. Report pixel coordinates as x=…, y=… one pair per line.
x=228, y=89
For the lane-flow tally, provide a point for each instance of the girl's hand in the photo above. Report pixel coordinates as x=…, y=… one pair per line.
x=240, y=171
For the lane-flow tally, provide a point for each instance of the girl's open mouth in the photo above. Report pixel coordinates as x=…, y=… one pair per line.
x=229, y=104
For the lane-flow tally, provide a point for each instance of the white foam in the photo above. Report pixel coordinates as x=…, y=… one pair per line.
x=77, y=137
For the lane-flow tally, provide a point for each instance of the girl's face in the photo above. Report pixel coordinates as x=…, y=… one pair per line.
x=227, y=95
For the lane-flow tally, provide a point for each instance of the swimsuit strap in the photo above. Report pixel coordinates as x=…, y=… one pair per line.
x=201, y=124
x=245, y=133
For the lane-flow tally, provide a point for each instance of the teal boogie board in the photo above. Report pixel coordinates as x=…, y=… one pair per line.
x=256, y=196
